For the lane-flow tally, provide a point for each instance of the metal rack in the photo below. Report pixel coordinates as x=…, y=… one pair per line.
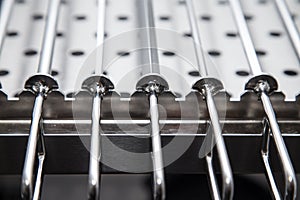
x=158, y=105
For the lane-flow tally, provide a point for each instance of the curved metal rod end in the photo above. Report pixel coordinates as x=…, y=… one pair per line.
x=93, y=190
x=26, y=187
x=228, y=186
x=159, y=189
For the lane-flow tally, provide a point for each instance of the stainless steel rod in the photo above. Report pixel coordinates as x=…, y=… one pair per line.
x=6, y=10
x=148, y=37
x=227, y=177
x=41, y=91
x=226, y=172
x=101, y=13
x=95, y=149
x=157, y=158
x=289, y=173
x=27, y=176
x=151, y=66
x=200, y=55
x=49, y=37
x=213, y=180
x=244, y=34
x=289, y=24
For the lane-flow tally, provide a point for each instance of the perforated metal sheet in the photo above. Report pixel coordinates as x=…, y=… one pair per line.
x=77, y=27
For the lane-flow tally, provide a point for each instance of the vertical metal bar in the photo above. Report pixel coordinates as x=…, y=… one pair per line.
x=98, y=91
x=95, y=150
x=6, y=9
x=262, y=88
x=153, y=84
x=197, y=39
x=148, y=37
x=101, y=12
x=244, y=34
x=208, y=84
x=290, y=26
x=40, y=90
x=157, y=158
x=49, y=37
x=27, y=176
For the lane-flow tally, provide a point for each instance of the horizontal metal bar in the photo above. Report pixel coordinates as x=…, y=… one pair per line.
x=64, y=151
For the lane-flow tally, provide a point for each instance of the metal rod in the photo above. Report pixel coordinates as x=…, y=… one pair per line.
x=289, y=173
x=289, y=24
x=101, y=12
x=99, y=90
x=244, y=34
x=153, y=84
x=148, y=37
x=227, y=178
x=6, y=10
x=200, y=56
x=159, y=179
x=27, y=176
x=265, y=156
x=212, y=177
x=262, y=88
x=40, y=90
x=49, y=37
x=95, y=149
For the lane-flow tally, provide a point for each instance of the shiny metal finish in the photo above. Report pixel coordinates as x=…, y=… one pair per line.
x=98, y=86
x=95, y=150
x=262, y=88
x=213, y=180
x=148, y=38
x=157, y=158
x=244, y=34
x=289, y=24
x=196, y=36
x=209, y=87
x=49, y=37
x=289, y=173
x=40, y=88
x=27, y=176
x=227, y=177
x=152, y=84
x=101, y=12
x=6, y=9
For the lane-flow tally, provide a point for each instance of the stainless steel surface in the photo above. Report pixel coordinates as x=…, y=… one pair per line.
x=45, y=62
x=289, y=25
x=30, y=190
x=6, y=10
x=95, y=151
x=88, y=115
x=244, y=34
x=150, y=56
x=200, y=56
x=157, y=158
x=152, y=83
x=263, y=89
x=208, y=90
x=27, y=177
